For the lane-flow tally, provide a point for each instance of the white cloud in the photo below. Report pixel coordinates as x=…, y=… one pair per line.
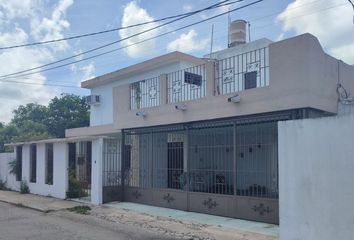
x=188, y=42
x=21, y=20
x=134, y=14
x=333, y=27
x=187, y=7
x=85, y=72
x=18, y=8
x=52, y=28
x=17, y=36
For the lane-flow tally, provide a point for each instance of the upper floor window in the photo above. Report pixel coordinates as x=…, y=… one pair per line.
x=145, y=93
x=243, y=71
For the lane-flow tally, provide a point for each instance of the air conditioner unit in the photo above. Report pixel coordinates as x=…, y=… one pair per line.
x=93, y=99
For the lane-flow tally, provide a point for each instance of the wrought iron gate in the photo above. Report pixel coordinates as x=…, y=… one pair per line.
x=227, y=168
x=79, y=171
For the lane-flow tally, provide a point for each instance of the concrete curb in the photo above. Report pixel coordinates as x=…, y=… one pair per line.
x=26, y=206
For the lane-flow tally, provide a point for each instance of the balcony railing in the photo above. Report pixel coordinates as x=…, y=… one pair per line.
x=187, y=84
x=231, y=73
x=145, y=93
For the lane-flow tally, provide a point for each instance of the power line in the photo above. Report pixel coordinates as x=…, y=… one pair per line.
x=41, y=84
x=139, y=42
x=117, y=29
x=352, y=3
x=7, y=80
x=114, y=42
x=167, y=33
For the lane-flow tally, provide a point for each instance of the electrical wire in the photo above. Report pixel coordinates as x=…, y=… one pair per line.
x=114, y=42
x=126, y=46
x=16, y=77
x=115, y=29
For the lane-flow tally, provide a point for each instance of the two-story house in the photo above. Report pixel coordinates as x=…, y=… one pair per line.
x=198, y=134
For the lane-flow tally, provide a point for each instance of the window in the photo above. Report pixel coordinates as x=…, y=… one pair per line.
x=18, y=163
x=49, y=164
x=33, y=163
x=251, y=80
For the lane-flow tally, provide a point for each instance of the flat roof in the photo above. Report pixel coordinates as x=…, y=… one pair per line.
x=55, y=140
x=143, y=66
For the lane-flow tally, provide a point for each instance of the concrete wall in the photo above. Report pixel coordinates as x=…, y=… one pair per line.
x=103, y=113
x=316, y=176
x=60, y=176
x=301, y=75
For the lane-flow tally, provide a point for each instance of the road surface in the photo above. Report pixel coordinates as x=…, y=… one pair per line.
x=22, y=223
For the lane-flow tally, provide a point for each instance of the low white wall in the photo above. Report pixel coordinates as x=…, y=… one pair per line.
x=316, y=178
x=60, y=175
x=5, y=176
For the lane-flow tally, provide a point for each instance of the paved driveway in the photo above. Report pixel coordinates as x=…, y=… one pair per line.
x=21, y=223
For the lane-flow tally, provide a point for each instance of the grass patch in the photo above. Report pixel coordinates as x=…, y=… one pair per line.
x=85, y=210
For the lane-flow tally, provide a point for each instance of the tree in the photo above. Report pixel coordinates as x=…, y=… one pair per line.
x=34, y=121
x=30, y=112
x=67, y=111
x=7, y=132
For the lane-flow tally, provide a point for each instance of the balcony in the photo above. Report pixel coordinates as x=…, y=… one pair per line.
x=277, y=77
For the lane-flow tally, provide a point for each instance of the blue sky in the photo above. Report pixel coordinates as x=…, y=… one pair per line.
x=26, y=21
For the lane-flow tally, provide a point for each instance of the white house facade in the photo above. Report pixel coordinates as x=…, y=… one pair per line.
x=196, y=134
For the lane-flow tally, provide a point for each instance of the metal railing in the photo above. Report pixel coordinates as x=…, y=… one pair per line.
x=186, y=84
x=145, y=93
x=230, y=72
x=111, y=162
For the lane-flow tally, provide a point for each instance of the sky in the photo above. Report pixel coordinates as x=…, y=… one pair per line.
x=28, y=21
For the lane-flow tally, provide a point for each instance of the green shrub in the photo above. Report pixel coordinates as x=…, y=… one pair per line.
x=13, y=167
x=3, y=185
x=24, y=189
x=75, y=190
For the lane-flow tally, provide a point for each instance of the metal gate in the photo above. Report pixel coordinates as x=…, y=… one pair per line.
x=227, y=167
x=79, y=171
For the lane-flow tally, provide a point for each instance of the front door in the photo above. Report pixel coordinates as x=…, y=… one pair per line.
x=174, y=164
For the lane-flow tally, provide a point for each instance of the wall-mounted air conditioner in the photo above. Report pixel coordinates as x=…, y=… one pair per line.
x=93, y=99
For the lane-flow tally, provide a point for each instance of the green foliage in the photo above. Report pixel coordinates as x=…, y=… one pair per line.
x=13, y=167
x=85, y=210
x=32, y=112
x=3, y=185
x=49, y=179
x=24, y=189
x=68, y=111
x=74, y=190
x=34, y=121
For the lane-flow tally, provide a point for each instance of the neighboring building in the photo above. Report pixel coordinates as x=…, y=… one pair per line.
x=199, y=134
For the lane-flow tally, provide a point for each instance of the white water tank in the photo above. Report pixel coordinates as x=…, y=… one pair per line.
x=237, y=33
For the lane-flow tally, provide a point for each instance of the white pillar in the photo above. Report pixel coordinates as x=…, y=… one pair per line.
x=60, y=169
x=26, y=163
x=96, y=174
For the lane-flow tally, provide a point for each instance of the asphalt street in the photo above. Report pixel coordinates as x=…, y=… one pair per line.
x=18, y=223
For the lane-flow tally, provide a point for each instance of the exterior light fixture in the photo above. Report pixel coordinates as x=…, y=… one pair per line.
x=234, y=99
x=140, y=114
x=181, y=107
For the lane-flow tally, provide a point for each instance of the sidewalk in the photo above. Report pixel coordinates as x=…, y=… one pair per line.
x=165, y=222
x=36, y=202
